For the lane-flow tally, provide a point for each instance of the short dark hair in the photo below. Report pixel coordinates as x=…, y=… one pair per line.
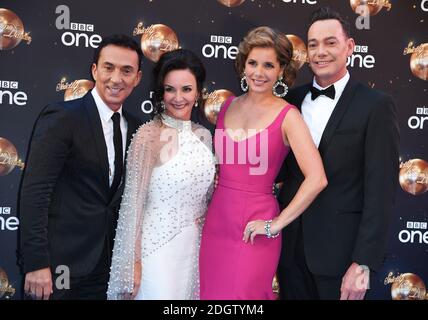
x=180, y=59
x=120, y=40
x=326, y=13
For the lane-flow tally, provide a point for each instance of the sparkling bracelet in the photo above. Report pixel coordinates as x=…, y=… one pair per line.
x=267, y=230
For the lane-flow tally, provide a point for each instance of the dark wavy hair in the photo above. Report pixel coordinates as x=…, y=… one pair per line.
x=266, y=37
x=180, y=59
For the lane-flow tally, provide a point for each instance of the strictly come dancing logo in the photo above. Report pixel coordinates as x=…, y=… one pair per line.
x=300, y=51
x=231, y=3
x=74, y=89
x=366, y=9
x=370, y=7
x=413, y=176
x=213, y=103
x=418, y=59
x=9, y=158
x=156, y=40
x=11, y=30
x=6, y=289
x=406, y=286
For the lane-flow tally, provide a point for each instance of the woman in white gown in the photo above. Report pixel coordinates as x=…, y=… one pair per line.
x=169, y=178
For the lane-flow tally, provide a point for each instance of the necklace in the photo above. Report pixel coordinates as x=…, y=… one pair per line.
x=176, y=123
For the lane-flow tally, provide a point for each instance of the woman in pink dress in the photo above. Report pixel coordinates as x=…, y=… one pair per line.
x=241, y=239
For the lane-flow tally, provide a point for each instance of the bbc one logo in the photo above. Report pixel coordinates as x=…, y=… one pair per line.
x=417, y=121
x=9, y=93
x=360, y=58
x=301, y=1
x=78, y=34
x=147, y=105
x=415, y=232
x=220, y=47
x=424, y=5
x=8, y=222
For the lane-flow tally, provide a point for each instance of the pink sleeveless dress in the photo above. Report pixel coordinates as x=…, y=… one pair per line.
x=229, y=268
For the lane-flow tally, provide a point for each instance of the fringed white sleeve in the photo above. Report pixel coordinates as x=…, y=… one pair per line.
x=127, y=244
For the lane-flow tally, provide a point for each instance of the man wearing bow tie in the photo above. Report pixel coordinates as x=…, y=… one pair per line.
x=331, y=251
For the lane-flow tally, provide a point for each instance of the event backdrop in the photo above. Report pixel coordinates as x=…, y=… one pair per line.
x=46, y=50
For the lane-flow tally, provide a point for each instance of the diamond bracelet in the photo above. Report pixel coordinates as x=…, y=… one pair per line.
x=267, y=230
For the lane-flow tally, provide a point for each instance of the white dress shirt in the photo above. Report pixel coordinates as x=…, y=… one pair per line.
x=316, y=113
x=105, y=115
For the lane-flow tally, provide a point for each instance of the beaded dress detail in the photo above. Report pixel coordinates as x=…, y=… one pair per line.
x=169, y=179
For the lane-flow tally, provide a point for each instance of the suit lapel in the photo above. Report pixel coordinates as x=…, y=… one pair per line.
x=98, y=134
x=337, y=115
x=299, y=95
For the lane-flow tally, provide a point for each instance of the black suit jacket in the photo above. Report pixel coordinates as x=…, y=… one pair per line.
x=348, y=221
x=67, y=210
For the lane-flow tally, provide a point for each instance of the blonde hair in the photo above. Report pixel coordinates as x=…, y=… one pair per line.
x=266, y=37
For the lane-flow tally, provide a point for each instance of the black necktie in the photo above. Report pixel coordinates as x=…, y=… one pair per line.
x=329, y=92
x=118, y=152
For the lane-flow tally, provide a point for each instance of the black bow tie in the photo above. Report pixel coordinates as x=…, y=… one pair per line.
x=329, y=92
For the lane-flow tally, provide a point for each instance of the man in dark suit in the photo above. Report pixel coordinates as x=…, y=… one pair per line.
x=71, y=189
x=331, y=249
